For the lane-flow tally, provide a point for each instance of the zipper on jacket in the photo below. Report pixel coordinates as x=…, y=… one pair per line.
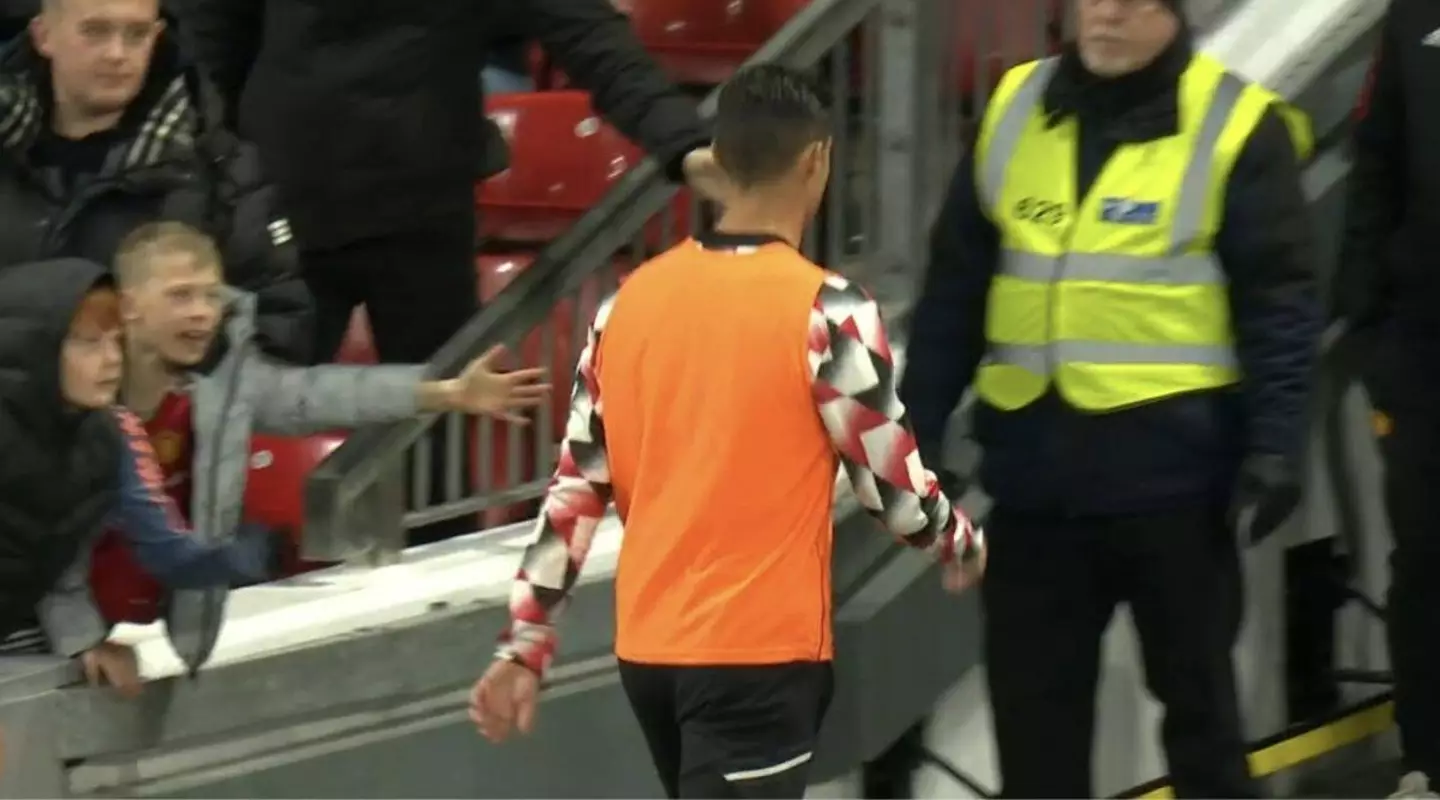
x=54, y=233
x=209, y=621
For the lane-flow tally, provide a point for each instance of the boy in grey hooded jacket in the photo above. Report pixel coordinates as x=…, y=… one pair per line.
x=191, y=339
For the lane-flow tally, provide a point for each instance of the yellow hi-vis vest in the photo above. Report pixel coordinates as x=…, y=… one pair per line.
x=1117, y=296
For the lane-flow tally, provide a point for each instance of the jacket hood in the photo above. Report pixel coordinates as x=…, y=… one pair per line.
x=174, y=109
x=37, y=302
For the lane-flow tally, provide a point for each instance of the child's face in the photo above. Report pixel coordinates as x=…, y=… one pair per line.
x=90, y=367
x=175, y=309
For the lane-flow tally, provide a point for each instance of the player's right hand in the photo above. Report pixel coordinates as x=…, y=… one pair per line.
x=962, y=573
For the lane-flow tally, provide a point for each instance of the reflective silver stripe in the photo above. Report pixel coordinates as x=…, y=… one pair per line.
x=1194, y=269
x=1033, y=357
x=1195, y=186
x=1006, y=136
x=1029, y=357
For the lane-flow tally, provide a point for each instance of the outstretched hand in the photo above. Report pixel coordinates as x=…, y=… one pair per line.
x=482, y=388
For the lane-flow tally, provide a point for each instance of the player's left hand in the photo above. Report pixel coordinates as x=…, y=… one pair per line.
x=704, y=175
x=483, y=389
x=504, y=699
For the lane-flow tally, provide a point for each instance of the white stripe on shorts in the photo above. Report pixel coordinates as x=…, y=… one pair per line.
x=765, y=772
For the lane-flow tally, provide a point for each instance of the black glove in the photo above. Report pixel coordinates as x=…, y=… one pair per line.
x=1267, y=491
x=951, y=483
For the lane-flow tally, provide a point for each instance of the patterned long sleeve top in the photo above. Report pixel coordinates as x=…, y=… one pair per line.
x=855, y=394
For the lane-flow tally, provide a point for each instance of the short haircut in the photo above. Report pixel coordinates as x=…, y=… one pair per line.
x=765, y=118
x=138, y=250
x=97, y=313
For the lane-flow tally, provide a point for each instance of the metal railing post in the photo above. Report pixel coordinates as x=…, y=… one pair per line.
x=380, y=513
x=366, y=527
x=900, y=119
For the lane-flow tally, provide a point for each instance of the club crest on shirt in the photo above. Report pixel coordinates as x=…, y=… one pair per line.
x=168, y=446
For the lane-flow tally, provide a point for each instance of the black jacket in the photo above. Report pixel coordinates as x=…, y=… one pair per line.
x=1388, y=283
x=369, y=114
x=15, y=16
x=58, y=476
x=1051, y=458
x=170, y=158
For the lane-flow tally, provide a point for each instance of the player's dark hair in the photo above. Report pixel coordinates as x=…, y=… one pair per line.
x=765, y=117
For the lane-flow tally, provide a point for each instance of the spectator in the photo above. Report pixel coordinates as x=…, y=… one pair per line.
x=1387, y=289
x=178, y=312
x=68, y=466
x=1141, y=346
x=727, y=665
x=105, y=126
x=376, y=136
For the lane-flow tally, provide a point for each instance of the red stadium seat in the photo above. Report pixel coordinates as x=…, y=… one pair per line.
x=358, y=347
x=275, y=490
x=124, y=592
x=563, y=160
x=704, y=41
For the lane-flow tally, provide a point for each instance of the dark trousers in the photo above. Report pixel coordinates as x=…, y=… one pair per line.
x=730, y=731
x=891, y=775
x=1051, y=588
x=418, y=288
x=1411, y=451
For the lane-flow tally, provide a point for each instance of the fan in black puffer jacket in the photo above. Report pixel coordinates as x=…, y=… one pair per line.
x=168, y=158
x=58, y=476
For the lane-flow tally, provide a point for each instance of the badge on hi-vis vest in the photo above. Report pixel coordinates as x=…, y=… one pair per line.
x=1124, y=211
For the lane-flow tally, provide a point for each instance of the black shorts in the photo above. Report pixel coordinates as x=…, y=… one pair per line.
x=730, y=731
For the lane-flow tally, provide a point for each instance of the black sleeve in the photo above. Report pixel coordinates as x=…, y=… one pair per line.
x=1375, y=191
x=947, y=327
x=595, y=46
x=261, y=258
x=1266, y=247
x=223, y=36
